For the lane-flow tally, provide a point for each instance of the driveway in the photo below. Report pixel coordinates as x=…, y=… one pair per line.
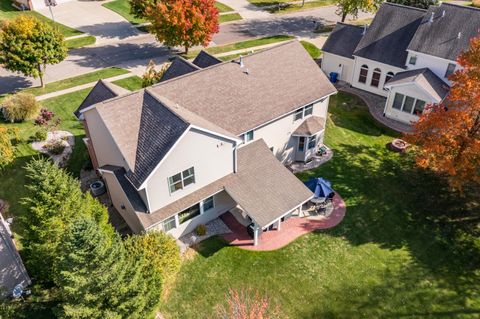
x=91, y=17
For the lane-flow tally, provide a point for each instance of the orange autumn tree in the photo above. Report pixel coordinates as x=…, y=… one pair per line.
x=183, y=23
x=448, y=134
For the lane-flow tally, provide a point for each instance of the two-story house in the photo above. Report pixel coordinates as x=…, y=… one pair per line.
x=211, y=136
x=405, y=55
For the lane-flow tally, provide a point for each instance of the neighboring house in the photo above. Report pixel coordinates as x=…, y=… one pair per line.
x=405, y=55
x=212, y=138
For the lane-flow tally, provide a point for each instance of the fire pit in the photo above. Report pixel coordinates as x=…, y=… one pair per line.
x=398, y=145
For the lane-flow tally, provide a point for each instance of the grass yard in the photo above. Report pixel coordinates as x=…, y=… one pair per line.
x=223, y=7
x=7, y=12
x=122, y=7
x=132, y=83
x=400, y=252
x=80, y=42
x=223, y=18
x=287, y=5
x=312, y=49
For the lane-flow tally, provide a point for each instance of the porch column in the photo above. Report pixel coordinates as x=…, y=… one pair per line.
x=255, y=235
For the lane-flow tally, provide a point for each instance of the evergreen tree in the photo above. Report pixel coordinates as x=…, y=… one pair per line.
x=55, y=200
x=98, y=279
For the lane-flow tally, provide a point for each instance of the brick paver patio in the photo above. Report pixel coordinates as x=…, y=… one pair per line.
x=290, y=230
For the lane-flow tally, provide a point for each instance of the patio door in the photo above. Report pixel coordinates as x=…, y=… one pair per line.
x=301, y=149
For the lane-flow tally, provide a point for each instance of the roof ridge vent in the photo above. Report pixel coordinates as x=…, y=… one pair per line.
x=431, y=17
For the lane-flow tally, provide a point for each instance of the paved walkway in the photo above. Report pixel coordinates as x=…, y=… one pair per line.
x=376, y=105
x=91, y=17
x=291, y=229
x=81, y=87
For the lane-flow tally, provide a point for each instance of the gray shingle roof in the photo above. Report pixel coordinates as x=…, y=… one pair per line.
x=343, y=40
x=204, y=60
x=312, y=125
x=389, y=34
x=262, y=186
x=130, y=191
x=102, y=91
x=424, y=77
x=279, y=80
x=179, y=67
x=440, y=37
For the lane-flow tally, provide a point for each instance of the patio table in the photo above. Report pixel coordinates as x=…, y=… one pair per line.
x=318, y=200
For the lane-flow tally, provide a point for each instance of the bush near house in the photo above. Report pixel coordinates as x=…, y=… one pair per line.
x=7, y=149
x=20, y=107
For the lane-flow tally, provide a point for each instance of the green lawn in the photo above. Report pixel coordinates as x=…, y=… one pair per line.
x=80, y=42
x=122, y=7
x=401, y=251
x=286, y=5
x=312, y=49
x=7, y=12
x=132, y=83
x=223, y=7
x=229, y=17
x=241, y=45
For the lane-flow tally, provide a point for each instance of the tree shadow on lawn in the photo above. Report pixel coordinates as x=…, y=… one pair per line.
x=395, y=204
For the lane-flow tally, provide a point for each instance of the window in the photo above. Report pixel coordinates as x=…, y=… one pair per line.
x=309, y=110
x=408, y=104
x=189, y=213
x=450, y=69
x=363, y=74
x=301, y=144
x=377, y=73
x=298, y=115
x=398, y=101
x=413, y=60
x=248, y=136
x=419, y=106
x=208, y=204
x=168, y=224
x=312, y=142
x=388, y=77
x=180, y=180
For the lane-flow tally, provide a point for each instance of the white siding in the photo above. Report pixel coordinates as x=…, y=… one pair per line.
x=409, y=90
x=211, y=157
x=105, y=147
x=277, y=134
x=435, y=64
x=223, y=203
x=385, y=68
x=335, y=63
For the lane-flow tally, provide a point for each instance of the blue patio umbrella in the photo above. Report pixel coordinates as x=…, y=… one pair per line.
x=320, y=187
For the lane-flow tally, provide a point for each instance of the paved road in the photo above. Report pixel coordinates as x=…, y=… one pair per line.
x=134, y=52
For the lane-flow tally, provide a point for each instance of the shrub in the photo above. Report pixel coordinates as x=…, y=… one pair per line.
x=41, y=135
x=7, y=150
x=152, y=76
x=55, y=147
x=201, y=230
x=44, y=117
x=20, y=107
x=247, y=304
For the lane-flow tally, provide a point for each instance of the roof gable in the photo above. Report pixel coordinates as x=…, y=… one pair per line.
x=179, y=67
x=389, y=34
x=204, y=60
x=102, y=91
x=343, y=40
x=441, y=36
x=425, y=79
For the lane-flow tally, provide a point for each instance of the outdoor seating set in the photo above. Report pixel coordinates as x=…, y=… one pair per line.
x=323, y=195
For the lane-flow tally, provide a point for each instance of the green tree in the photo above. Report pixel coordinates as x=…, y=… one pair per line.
x=27, y=45
x=346, y=7
x=54, y=201
x=160, y=250
x=422, y=4
x=98, y=279
x=152, y=76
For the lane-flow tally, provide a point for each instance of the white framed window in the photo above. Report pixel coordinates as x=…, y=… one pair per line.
x=398, y=101
x=248, y=136
x=450, y=69
x=189, y=213
x=377, y=73
x=413, y=60
x=208, y=204
x=169, y=224
x=419, y=107
x=298, y=115
x=362, y=78
x=308, y=110
x=312, y=142
x=408, y=104
x=180, y=180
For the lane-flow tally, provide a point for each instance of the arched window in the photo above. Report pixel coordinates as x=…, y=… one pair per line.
x=363, y=74
x=377, y=73
x=388, y=77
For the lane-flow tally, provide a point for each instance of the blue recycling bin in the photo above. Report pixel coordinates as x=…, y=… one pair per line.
x=333, y=77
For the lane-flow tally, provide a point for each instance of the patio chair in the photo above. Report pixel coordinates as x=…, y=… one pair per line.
x=322, y=151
